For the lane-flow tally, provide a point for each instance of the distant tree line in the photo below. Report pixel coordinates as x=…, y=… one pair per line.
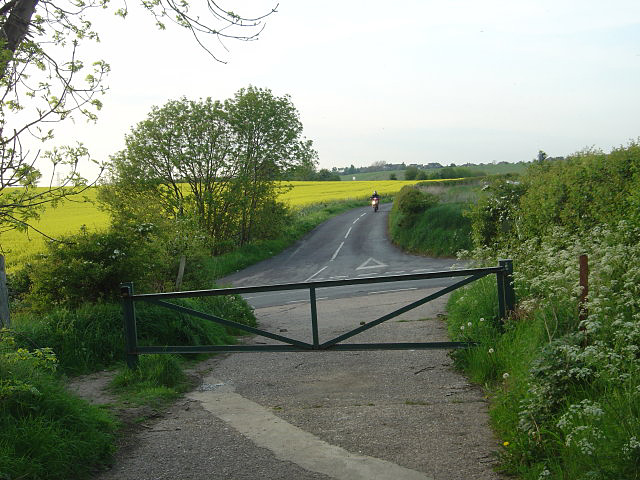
x=413, y=173
x=309, y=173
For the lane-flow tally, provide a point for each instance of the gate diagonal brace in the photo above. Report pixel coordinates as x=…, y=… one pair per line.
x=229, y=323
x=402, y=310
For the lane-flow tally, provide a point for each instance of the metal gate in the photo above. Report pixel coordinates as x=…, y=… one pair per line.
x=506, y=303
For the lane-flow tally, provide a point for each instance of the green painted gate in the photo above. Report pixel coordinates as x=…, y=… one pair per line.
x=506, y=303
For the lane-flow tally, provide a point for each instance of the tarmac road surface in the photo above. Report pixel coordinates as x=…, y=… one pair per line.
x=352, y=245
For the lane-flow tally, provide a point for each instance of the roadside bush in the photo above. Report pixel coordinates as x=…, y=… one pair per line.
x=88, y=267
x=46, y=432
x=411, y=201
x=494, y=217
x=442, y=230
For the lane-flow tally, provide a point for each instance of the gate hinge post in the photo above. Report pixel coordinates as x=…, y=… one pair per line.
x=509, y=292
x=130, y=331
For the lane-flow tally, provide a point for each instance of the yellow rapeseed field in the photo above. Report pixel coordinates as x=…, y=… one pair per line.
x=69, y=217
x=65, y=219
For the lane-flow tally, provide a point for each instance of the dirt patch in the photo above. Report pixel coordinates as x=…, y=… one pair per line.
x=93, y=387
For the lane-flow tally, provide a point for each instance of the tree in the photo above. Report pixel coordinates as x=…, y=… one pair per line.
x=268, y=138
x=43, y=81
x=178, y=162
x=212, y=162
x=324, y=175
x=410, y=173
x=541, y=157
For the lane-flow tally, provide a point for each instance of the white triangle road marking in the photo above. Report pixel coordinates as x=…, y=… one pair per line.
x=371, y=263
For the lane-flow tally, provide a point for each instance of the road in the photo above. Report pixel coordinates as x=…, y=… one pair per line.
x=352, y=245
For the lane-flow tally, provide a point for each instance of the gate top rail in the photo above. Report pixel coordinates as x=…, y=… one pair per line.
x=316, y=284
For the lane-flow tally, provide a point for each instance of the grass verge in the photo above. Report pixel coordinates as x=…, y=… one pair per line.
x=440, y=231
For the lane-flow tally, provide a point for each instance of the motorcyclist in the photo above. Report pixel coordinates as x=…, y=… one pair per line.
x=375, y=200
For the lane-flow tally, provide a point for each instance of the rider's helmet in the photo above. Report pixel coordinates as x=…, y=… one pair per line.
x=375, y=192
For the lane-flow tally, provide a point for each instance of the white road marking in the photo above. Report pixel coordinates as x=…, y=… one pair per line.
x=363, y=214
x=338, y=277
x=374, y=264
x=396, y=290
x=336, y=252
x=296, y=251
x=290, y=443
x=266, y=295
x=394, y=273
x=348, y=232
x=356, y=219
x=316, y=273
x=306, y=301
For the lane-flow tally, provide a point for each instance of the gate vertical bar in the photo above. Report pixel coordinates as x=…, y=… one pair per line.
x=509, y=290
x=502, y=310
x=130, y=333
x=314, y=316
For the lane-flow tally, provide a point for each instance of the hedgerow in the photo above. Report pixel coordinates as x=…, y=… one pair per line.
x=565, y=391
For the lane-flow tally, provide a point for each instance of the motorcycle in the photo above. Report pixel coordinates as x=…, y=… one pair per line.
x=374, y=204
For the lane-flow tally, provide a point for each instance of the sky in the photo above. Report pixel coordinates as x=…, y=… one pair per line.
x=448, y=81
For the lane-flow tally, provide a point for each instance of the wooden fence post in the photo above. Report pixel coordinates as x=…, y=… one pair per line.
x=183, y=260
x=5, y=320
x=583, y=311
